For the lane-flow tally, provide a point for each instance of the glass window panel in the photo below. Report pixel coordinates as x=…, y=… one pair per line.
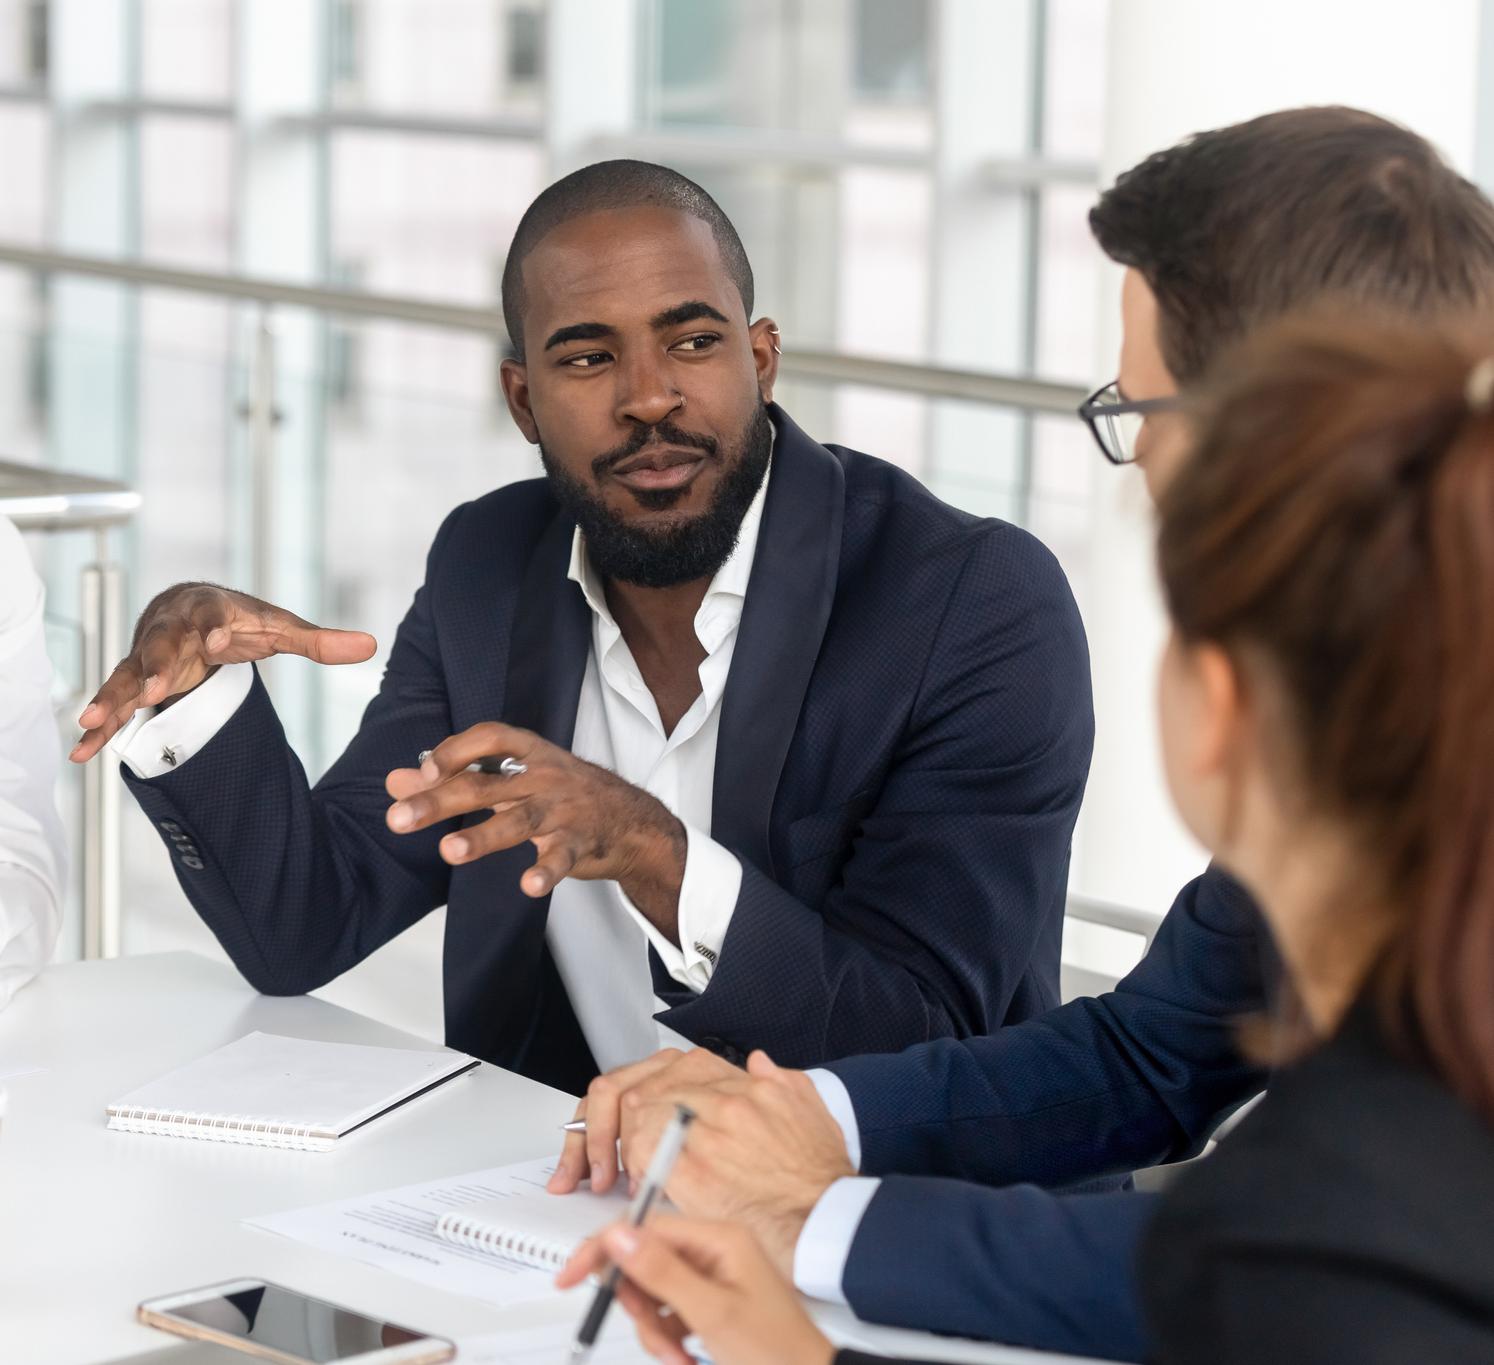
x=186, y=191
x=24, y=43
x=25, y=136
x=457, y=57
x=1074, y=78
x=186, y=49
x=1069, y=267
x=428, y=216
x=892, y=50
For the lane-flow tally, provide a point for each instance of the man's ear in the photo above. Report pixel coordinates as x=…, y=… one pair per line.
x=764, y=338
x=514, y=376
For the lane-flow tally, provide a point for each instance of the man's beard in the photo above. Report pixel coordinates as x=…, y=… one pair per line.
x=688, y=549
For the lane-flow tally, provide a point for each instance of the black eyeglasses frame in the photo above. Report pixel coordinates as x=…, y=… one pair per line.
x=1092, y=411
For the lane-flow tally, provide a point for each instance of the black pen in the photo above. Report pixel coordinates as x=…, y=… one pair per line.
x=671, y=1144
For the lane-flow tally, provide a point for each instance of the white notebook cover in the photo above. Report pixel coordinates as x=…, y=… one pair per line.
x=273, y=1091
x=529, y=1223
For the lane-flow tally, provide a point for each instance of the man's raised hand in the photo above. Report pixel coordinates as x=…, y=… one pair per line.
x=185, y=634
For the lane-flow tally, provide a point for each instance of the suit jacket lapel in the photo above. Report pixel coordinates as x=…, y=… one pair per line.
x=551, y=642
x=789, y=596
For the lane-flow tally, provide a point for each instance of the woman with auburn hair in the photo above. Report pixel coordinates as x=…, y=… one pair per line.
x=1327, y=695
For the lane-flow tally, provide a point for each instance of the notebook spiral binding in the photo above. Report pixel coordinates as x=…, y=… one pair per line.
x=535, y=1251
x=243, y=1128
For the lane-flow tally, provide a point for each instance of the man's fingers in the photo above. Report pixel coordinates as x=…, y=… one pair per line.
x=325, y=646
x=603, y=1114
x=119, y=687
x=461, y=794
x=112, y=706
x=602, y=1107
x=503, y=829
x=642, y=1126
x=557, y=856
x=491, y=739
x=572, y=1167
x=699, y=1066
x=763, y=1066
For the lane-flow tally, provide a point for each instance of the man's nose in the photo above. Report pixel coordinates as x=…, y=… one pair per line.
x=647, y=394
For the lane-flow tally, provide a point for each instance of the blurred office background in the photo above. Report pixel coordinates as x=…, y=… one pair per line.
x=250, y=253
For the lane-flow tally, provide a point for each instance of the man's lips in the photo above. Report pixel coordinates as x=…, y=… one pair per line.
x=666, y=467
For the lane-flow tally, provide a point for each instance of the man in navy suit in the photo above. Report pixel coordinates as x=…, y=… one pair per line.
x=1218, y=234
x=780, y=750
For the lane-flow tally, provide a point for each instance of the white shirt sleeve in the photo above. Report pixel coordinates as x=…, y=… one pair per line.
x=824, y=1246
x=33, y=852
x=156, y=741
x=837, y=1099
x=708, y=898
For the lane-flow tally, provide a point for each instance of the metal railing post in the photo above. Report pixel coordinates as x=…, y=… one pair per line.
x=102, y=601
x=262, y=417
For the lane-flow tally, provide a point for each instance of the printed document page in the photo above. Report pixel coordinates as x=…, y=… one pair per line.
x=396, y=1229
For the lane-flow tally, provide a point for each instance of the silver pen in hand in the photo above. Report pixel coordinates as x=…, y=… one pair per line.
x=671, y=1144
x=495, y=767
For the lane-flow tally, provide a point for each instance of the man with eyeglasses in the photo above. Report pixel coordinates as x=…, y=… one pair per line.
x=1219, y=235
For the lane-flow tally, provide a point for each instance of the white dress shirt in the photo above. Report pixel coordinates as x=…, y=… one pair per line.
x=824, y=1244
x=598, y=938
x=32, y=849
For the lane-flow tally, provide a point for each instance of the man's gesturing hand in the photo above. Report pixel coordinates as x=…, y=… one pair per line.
x=584, y=821
x=185, y=634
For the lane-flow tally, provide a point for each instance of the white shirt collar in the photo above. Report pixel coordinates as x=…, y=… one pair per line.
x=730, y=581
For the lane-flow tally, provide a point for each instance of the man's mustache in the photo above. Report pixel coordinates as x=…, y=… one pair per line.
x=663, y=433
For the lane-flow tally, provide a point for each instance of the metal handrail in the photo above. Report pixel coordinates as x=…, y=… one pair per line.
x=836, y=367
x=41, y=499
x=1126, y=918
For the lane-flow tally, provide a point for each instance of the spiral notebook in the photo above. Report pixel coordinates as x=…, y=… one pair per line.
x=526, y=1223
x=271, y=1091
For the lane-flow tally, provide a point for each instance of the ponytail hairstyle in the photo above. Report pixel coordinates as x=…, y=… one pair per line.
x=1335, y=521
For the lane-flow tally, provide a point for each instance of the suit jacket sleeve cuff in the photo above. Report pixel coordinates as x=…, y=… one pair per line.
x=183, y=729
x=824, y=1245
x=708, y=896
x=837, y=1099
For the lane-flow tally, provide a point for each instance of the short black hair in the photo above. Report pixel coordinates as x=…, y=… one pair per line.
x=1234, y=227
x=615, y=185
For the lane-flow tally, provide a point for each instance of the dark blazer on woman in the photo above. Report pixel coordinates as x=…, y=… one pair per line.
x=1349, y=1218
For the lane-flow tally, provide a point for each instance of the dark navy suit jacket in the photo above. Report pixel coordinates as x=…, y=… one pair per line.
x=1103, y=1085
x=904, y=740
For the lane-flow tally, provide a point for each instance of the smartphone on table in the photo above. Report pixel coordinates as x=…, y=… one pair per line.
x=274, y=1323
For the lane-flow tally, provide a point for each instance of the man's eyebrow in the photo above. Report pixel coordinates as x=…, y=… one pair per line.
x=686, y=312
x=578, y=331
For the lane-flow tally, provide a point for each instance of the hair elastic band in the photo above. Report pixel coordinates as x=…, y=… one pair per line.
x=1479, y=388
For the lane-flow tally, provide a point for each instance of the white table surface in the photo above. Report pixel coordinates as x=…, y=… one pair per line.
x=93, y=1221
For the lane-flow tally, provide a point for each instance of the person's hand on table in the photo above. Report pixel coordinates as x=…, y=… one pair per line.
x=762, y=1150
x=182, y=638
x=592, y=1155
x=712, y=1280
x=583, y=821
